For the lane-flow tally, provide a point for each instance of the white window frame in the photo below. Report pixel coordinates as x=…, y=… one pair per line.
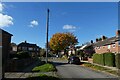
x=99, y=48
x=113, y=45
x=109, y=46
x=30, y=48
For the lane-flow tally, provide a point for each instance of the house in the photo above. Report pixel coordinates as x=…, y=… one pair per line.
x=33, y=49
x=108, y=45
x=13, y=49
x=72, y=50
x=5, y=40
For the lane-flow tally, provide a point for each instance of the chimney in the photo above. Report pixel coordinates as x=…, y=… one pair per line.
x=91, y=41
x=117, y=33
x=25, y=41
x=96, y=39
x=103, y=38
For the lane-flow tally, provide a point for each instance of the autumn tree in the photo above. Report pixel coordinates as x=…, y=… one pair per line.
x=61, y=41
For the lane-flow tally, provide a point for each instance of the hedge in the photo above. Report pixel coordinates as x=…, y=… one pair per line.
x=106, y=59
x=117, y=58
x=98, y=58
x=109, y=59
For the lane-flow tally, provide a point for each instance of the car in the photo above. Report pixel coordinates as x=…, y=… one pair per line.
x=73, y=60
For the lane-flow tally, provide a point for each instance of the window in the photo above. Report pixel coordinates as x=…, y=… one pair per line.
x=113, y=45
x=19, y=47
x=30, y=49
x=37, y=49
x=109, y=46
x=24, y=48
x=98, y=48
x=118, y=43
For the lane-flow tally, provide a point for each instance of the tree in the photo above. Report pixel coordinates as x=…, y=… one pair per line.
x=61, y=41
x=42, y=52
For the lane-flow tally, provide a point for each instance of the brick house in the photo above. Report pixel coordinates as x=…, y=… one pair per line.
x=13, y=49
x=5, y=39
x=108, y=45
x=33, y=49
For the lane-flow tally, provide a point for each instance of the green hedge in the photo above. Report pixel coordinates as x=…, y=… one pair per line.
x=106, y=59
x=109, y=59
x=98, y=58
x=117, y=58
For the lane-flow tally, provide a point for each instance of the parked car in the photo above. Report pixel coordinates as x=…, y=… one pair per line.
x=73, y=60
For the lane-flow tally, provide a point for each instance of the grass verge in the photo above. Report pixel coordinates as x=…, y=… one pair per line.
x=44, y=68
x=100, y=68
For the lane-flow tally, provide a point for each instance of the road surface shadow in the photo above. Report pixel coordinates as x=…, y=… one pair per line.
x=59, y=63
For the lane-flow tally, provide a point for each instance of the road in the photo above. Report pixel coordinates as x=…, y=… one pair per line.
x=71, y=71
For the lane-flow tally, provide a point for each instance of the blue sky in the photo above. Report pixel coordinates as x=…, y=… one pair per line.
x=89, y=20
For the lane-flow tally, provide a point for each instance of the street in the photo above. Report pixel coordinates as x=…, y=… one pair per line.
x=71, y=71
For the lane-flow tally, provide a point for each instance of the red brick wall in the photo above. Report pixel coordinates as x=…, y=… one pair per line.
x=103, y=49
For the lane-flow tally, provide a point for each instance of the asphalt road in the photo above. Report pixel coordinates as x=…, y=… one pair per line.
x=71, y=71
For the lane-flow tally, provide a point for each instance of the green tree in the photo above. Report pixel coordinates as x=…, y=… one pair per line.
x=61, y=41
x=42, y=52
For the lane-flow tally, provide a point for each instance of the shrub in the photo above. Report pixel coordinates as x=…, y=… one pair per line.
x=109, y=59
x=117, y=58
x=98, y=58
x=23, y=54
x=102, y=61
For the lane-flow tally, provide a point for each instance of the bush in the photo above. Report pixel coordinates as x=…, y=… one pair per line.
x=117, y=58
x=109, y=59
x=23, y=54
x=44, y=68
x=98, y=58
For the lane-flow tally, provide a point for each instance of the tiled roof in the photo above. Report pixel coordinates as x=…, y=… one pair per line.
x=3, y=31
x=27, y=44
x=107, y=41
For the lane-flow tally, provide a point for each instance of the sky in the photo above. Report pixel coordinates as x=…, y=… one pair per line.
x=87, y=20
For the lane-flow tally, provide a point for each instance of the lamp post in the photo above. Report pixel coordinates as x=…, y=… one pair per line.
x=47, y=24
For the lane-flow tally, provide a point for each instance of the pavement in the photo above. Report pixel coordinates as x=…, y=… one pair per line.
x=23, y=75
x=27, y=72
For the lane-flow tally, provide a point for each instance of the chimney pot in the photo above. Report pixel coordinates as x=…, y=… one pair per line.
x=103, y=38
x=96, y=39
x=118, y=33
x=91, y=41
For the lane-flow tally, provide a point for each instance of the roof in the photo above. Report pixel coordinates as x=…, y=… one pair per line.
x=3, y=31
x=85, y=46
x=108, y=41
x=27, y=44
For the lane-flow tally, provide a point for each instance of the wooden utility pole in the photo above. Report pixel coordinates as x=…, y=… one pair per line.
x=47, y=28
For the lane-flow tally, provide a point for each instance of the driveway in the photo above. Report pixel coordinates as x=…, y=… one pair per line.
x=71, y=71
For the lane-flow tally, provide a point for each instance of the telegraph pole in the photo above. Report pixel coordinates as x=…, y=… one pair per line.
x=47, y=27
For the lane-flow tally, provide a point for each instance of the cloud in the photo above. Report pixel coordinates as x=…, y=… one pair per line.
x=33, y=23
x=69, y=27
x=1, y=7
x=5, y=20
